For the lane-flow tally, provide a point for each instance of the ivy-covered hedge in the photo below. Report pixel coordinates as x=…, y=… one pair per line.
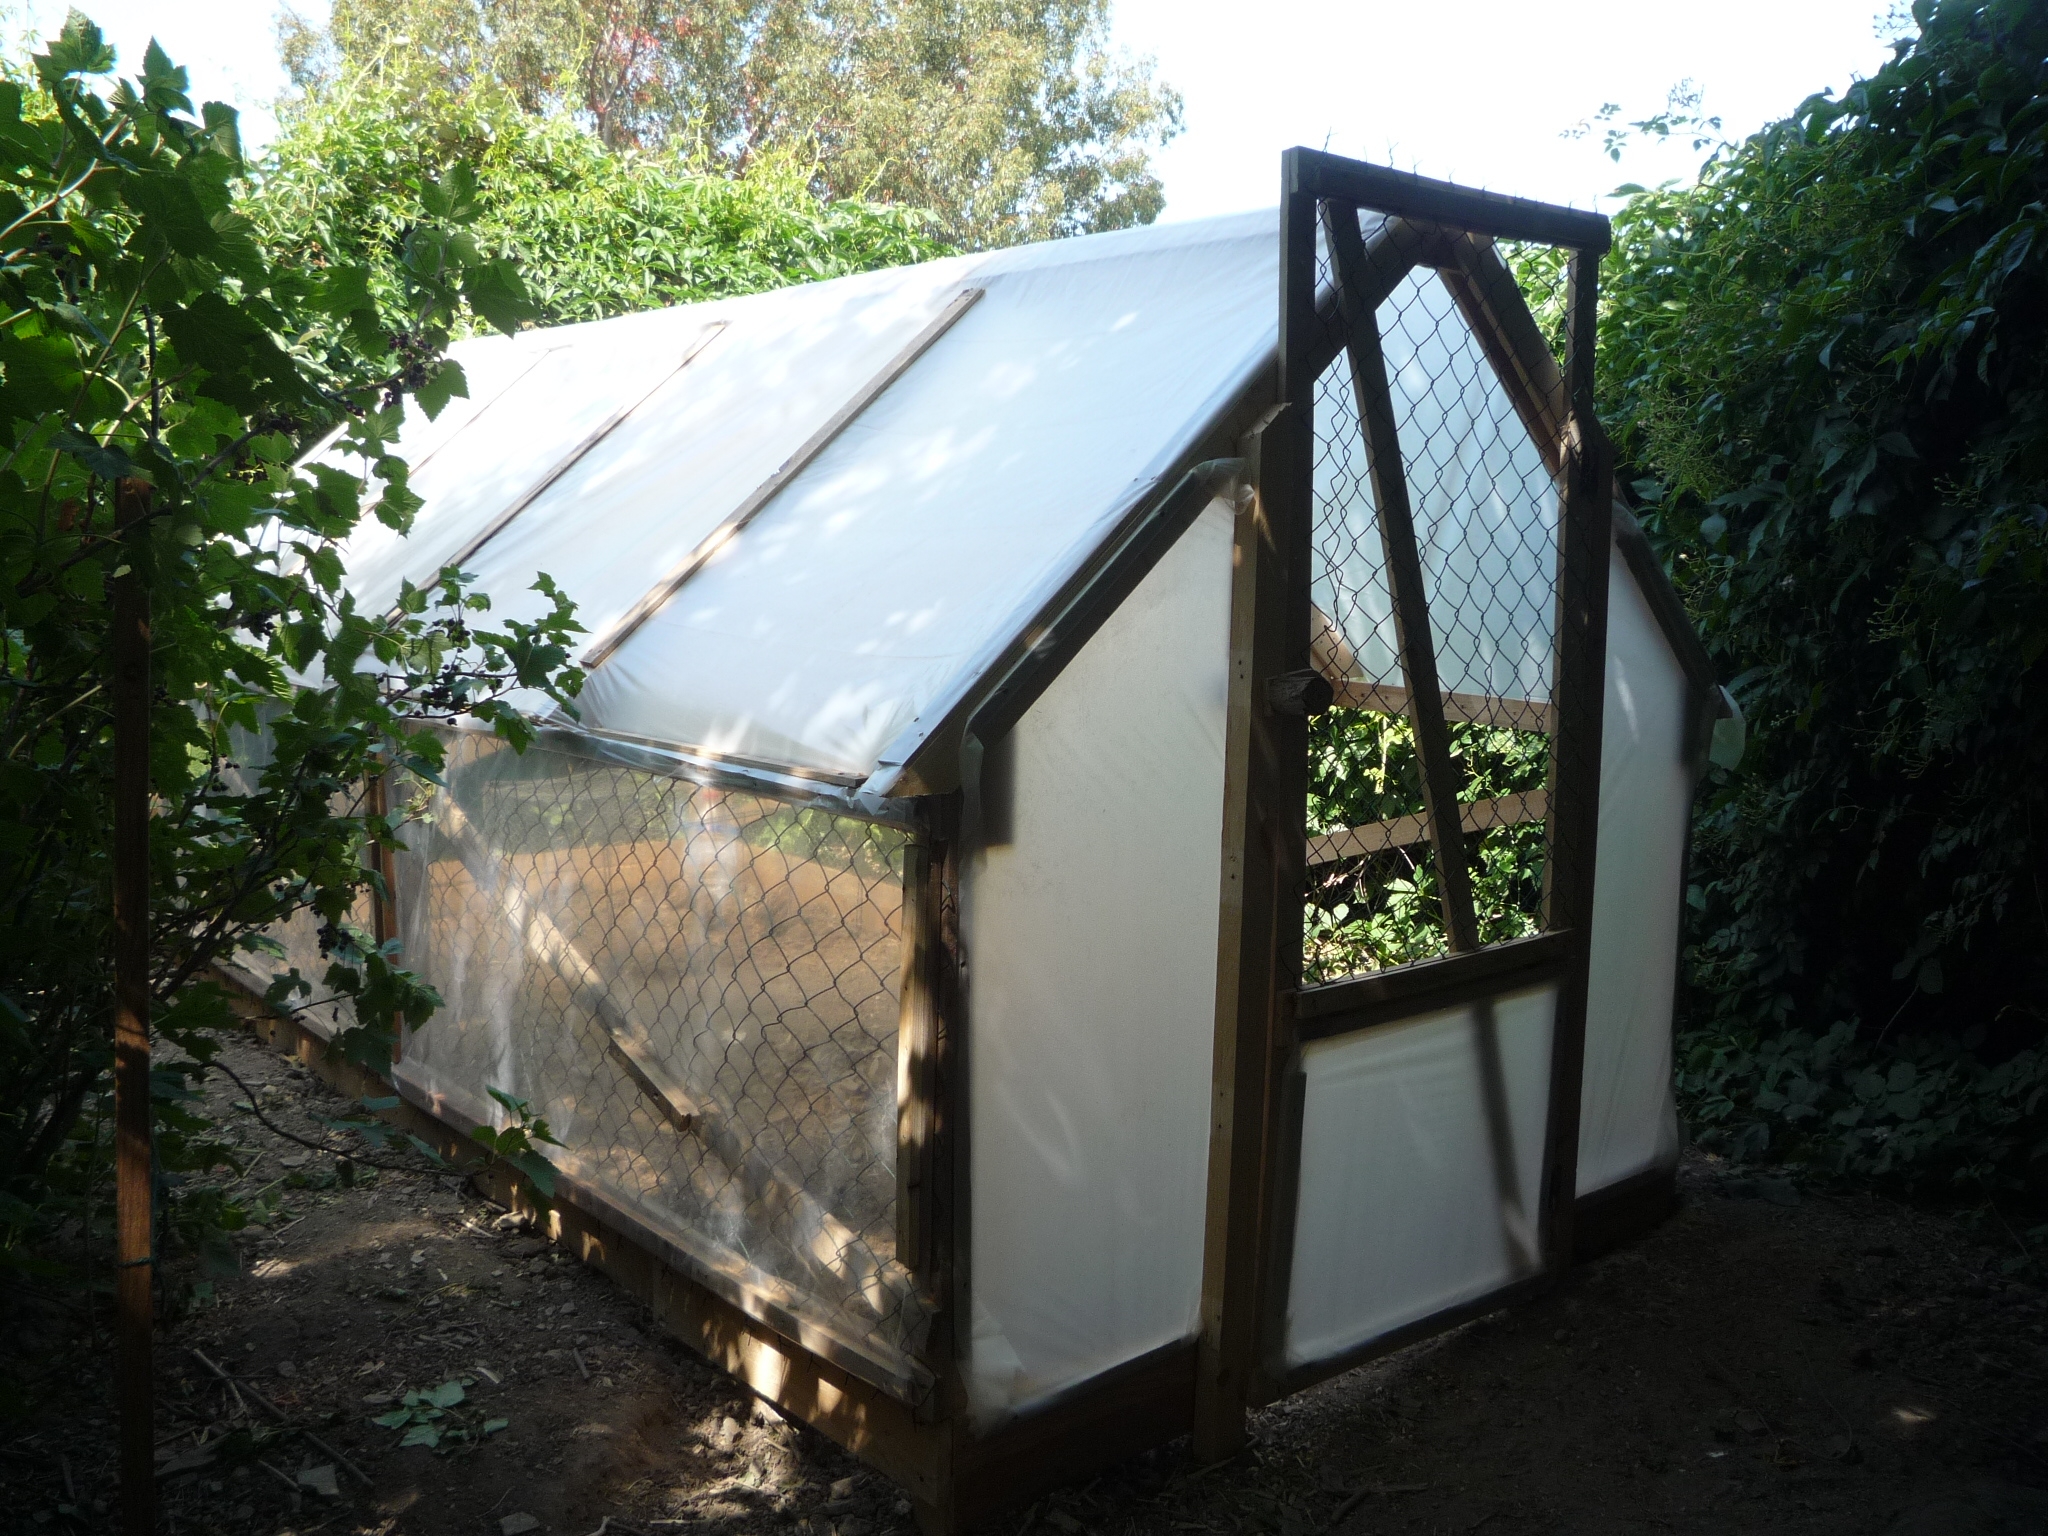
x=1827, y=370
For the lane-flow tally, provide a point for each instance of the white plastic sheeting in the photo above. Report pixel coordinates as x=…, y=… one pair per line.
x=1485, y=508
x=916, y=545
x=1421, y=1162
x=1628, y=1122
x=1091, y=940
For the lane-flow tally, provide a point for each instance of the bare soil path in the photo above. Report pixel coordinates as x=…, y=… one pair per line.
x=1767, y=1361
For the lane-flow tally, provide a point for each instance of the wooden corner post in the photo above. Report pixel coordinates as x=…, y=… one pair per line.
x=1264, y=845
x=1584, y=534
x=134, y=1181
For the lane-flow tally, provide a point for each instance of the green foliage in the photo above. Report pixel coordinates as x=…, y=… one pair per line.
x=154, y=356
x=436, y=1419
x=1924, y=1112
x=1383, y=909
x=592, y=231
x=520, y=1142
x=1008, y=119
x=1826, y=366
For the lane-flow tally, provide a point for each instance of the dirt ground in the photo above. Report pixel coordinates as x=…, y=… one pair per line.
x=1768, y=1360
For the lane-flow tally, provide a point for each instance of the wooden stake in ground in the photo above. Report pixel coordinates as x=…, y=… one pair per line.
x=128, y=657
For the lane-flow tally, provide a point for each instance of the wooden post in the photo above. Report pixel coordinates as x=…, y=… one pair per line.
x=931, y=1223
x=1404, y=577
x=1265, y=844
x=129, y=689
x=1584, y=533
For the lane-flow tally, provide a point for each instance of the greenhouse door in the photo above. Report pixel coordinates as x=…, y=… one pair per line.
x=1418, y=646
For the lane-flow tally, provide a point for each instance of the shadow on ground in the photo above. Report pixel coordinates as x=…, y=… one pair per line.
x=1766, y=1361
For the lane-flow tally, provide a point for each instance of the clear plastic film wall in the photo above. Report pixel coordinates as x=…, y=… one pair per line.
x=698, y=989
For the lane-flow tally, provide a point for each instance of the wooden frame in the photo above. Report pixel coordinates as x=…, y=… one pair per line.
x=1262, y=1020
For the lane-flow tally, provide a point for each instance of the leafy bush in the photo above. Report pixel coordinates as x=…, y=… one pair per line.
x=1383, y=909
x=160, y=375
x=595, y=231
x=1826, y=366
x=1924, y=1112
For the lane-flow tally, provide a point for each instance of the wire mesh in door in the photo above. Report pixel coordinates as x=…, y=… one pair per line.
x=1434, y=560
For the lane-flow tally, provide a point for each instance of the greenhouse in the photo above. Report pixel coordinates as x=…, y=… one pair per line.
x=1124, y=842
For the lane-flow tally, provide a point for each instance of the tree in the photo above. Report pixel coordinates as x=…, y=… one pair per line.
x=155, y=355
x=1827, y=368
x=1009, y=119
x=594, y=231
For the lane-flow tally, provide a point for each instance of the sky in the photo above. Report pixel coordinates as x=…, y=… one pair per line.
x=1478, y=91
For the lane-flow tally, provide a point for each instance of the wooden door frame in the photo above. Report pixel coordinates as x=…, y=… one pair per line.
x=1256, y=1098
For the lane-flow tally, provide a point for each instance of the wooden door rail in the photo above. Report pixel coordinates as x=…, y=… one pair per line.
x=1406, y=991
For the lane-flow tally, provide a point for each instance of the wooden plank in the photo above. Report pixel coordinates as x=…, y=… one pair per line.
x=931, y=1151
x=1320, y=174
x=1402, y=831
x=1264, y=838
x=1463, y=708
x=1276, y=1290
x=787, y=471
x=1331, y=655
x=916, y=1037
x=1405, y=581
x=1364, y=1002
x=1585, y=532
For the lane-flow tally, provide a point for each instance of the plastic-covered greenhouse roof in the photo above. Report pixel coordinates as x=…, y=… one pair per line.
x=1065, y=381
x=804, y=526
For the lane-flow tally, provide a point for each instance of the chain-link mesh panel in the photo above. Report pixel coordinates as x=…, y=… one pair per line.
x=307, y=949
x=697, y=988
x=304, y=942
x=1483, y=501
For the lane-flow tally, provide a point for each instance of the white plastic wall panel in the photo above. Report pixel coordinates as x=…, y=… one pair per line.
x=1485, y=508
x=1404, y=1208
x=1091, y=944
x=1628, y=1122
x=924, y=536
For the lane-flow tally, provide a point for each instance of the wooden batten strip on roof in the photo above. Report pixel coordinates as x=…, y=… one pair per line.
x=656, y=599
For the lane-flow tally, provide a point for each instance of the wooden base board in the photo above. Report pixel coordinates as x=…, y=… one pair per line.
x=1139, y=1405
x=1613, y=1217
